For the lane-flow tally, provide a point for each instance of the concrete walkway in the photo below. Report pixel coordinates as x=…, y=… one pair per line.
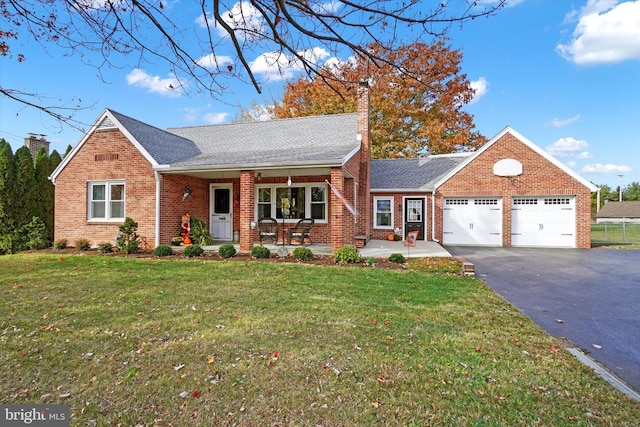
x=374, y=248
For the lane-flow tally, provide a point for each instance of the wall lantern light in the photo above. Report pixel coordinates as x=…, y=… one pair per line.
x=186, y=192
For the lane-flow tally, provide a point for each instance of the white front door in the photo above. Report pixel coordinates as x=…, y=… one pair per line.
x=221, y=208
x=543, y=221
x=472, y=221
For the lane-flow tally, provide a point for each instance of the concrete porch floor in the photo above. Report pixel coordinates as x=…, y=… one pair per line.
x=374, y=248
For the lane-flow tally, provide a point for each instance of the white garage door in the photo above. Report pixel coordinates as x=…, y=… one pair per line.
x=543, y=221
x=472, y=221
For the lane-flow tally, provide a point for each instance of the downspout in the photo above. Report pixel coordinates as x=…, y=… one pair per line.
x=433, y=217
x=157, y=239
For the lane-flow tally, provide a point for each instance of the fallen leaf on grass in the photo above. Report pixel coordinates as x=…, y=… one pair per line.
x=196, y=394
x=47, y=328
x=178, y=367
x=210, y=359
x=184, y=394
x=384, y=379
x=554, y=348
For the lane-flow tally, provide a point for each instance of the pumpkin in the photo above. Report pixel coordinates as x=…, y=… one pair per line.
x=391, y=237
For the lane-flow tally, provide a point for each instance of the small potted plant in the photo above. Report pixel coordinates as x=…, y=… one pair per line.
x=176, y=241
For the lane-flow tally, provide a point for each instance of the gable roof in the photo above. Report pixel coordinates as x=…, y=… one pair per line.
x=525, y=141
x=156, y=145
x=620, y=210
x=327, y=140
x=420, y=173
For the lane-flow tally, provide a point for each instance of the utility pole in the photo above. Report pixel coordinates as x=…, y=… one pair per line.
x=620, y=188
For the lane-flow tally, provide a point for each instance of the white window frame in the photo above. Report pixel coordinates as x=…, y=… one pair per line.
x=108, y=217
x=375, y=212
x=307, y=200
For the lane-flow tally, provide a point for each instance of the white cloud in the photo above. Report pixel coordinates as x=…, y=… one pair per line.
x=243, y=18
x=480, y=87
x=605, y=169
x=215, y=118
x=213, y=61
x=585, y=155
x=171, y=87
x=606, y=32
x=558, y=123
x=565, y=147
x=276, y=66
x=332, y=6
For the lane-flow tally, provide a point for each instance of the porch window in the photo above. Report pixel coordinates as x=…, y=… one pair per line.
x=292, y=203
x=383, y=212
x=106, y=201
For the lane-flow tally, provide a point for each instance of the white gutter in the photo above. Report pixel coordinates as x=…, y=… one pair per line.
x=157, y=239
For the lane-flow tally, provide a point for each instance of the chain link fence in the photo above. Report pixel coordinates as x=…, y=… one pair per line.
x=615, y=233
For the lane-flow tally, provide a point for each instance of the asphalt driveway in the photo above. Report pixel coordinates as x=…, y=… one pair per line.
x=589, y=296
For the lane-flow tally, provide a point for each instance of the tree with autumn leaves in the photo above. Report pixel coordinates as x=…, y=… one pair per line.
x=417, y=111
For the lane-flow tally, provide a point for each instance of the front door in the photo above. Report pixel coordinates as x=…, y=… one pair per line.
x=221, y=211
x=414, y=216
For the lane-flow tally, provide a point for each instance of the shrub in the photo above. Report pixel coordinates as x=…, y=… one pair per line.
x=370, y=261
x=163, y=250
x=128, y=240
x=346, y=254
x=260, y=252
x=83, y=245
x=397, y=258
x=302, y=254
x=227, y=251
x=200, y=232
x=105, y=247
x=36, y=233
x=192, y=251
x=60, y=244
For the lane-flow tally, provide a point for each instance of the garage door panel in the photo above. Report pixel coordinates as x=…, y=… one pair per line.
x=472, y=221
x=543, y=221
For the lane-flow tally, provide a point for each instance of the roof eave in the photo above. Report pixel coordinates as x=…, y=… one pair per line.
x=169, y=169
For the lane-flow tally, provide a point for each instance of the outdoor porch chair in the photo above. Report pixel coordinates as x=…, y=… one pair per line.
x=301, y=230
x=268, y=229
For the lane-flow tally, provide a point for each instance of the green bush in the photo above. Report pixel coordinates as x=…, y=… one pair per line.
x=302, y=254
x=200, y=232
x=128, y=240
x=260, y=252
x=371, y=260
x=346, y=254
x=83, y=245
x=36, y=233
x=60, y=244
x=397, y=258
x=105, y=247
x=227, y=251
x=163, y=250
x=192, y=251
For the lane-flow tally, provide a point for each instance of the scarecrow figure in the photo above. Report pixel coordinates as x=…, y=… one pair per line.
x=186, y=229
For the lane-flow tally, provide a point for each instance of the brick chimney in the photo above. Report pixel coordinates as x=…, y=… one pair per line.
x=33, y=143
x=363, y=226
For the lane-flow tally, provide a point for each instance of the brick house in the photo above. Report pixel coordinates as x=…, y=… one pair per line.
x=319, y=167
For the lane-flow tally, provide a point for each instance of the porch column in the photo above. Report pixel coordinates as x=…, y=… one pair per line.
x=247, y=192
x=336, y=219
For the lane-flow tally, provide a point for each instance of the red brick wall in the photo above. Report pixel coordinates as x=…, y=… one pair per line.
x=106, y=155
x=172, y=207
x=540, y=177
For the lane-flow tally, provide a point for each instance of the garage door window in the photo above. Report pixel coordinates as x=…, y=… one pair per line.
x=456, y=202
x=485, y=202
x=560, y=201
x=525, y=202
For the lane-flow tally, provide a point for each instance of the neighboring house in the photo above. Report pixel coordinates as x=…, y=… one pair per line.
x=508, y=193
x=618, y=212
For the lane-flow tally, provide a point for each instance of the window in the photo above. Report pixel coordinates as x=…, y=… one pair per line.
x=106, y=201
x=292, y=203
x=383, y=212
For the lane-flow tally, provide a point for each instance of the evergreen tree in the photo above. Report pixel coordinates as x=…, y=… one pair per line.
x=7, y=178
x=24, y=191
x=44, y=192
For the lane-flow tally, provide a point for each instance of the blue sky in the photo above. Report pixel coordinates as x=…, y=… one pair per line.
x=565, y=74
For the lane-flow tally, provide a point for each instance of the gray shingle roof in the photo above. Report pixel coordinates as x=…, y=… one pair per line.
x=318, y=139
x=620, y=210
x=163, y=146
x=413, y=174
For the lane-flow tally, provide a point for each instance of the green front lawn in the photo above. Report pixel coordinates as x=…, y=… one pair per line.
x=133, y=341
